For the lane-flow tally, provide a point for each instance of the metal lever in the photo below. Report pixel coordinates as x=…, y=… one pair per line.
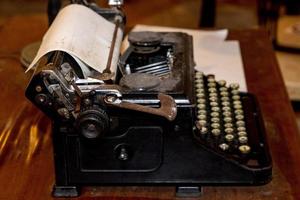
x=107, y=73
x=167, y=108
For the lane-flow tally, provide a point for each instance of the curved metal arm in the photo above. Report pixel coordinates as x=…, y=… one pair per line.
x=167, y=107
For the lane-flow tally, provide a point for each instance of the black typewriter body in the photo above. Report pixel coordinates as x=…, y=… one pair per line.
x=203, y=144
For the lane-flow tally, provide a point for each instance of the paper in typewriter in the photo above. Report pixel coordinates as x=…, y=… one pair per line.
x=212, y=53
x=83, y=34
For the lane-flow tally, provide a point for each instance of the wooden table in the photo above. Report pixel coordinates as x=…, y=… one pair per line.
x=26, y=160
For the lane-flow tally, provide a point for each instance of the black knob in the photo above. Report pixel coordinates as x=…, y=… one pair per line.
x=93, y=123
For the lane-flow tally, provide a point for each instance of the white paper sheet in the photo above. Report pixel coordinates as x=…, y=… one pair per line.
x=212, y=54
x=83, y=34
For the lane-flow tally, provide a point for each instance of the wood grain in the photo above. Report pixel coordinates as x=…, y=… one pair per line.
x=26, y=161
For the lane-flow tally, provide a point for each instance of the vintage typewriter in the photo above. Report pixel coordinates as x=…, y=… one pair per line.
x=157, y=122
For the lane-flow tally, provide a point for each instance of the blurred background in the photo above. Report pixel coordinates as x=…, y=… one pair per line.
x=281, y=18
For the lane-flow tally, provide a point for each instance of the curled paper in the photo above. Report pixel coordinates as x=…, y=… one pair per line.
x=84, y=34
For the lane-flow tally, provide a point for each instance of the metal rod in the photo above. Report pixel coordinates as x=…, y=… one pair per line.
x=150, y=65
x=111, y=51
x=154, y=68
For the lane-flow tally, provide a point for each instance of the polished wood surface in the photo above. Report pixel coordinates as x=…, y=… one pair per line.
x=26, y=160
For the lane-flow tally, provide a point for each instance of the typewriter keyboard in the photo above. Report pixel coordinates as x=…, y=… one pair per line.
x=220, y=115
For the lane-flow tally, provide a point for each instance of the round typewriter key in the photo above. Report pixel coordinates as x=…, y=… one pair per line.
x=215, y=119
x=227, y=119
x=213, y=99
x=238, y=112
x=244, y=149
x=199, y=74
x=222, y=83
x=235, y=97
x=243, y=139
x=239, y=117
x=223, y=89
x=228, y=130
x=199, y=85
x=212, y=90
x=200, y=90
x=237, y=103
x=203, y=130
x=201, y=106
x=234, y=86
x=228, y=125
x=199, y=80
x=215, y=109
x=240, y=123
x=216, y=132
x=226, y=114
x=214, y=114
x=201, y=117
x=242, y=133
x=235, y=92
x=202, y=122
x=229, y=137
x=210, y=76
x=211, y=80
x=225, y=103
x=215, y=125
x=226, y=108
x=213, y=94
x=237, y=106
x=201, y=101
x=224, y=94
x=241, y=129
x=224, y=146
x=213, y=104
x=211, y=85
x=200, y=95
x=225, y=99
x=201, y=112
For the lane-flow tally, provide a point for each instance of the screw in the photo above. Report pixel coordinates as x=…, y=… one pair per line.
x=38, y=88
